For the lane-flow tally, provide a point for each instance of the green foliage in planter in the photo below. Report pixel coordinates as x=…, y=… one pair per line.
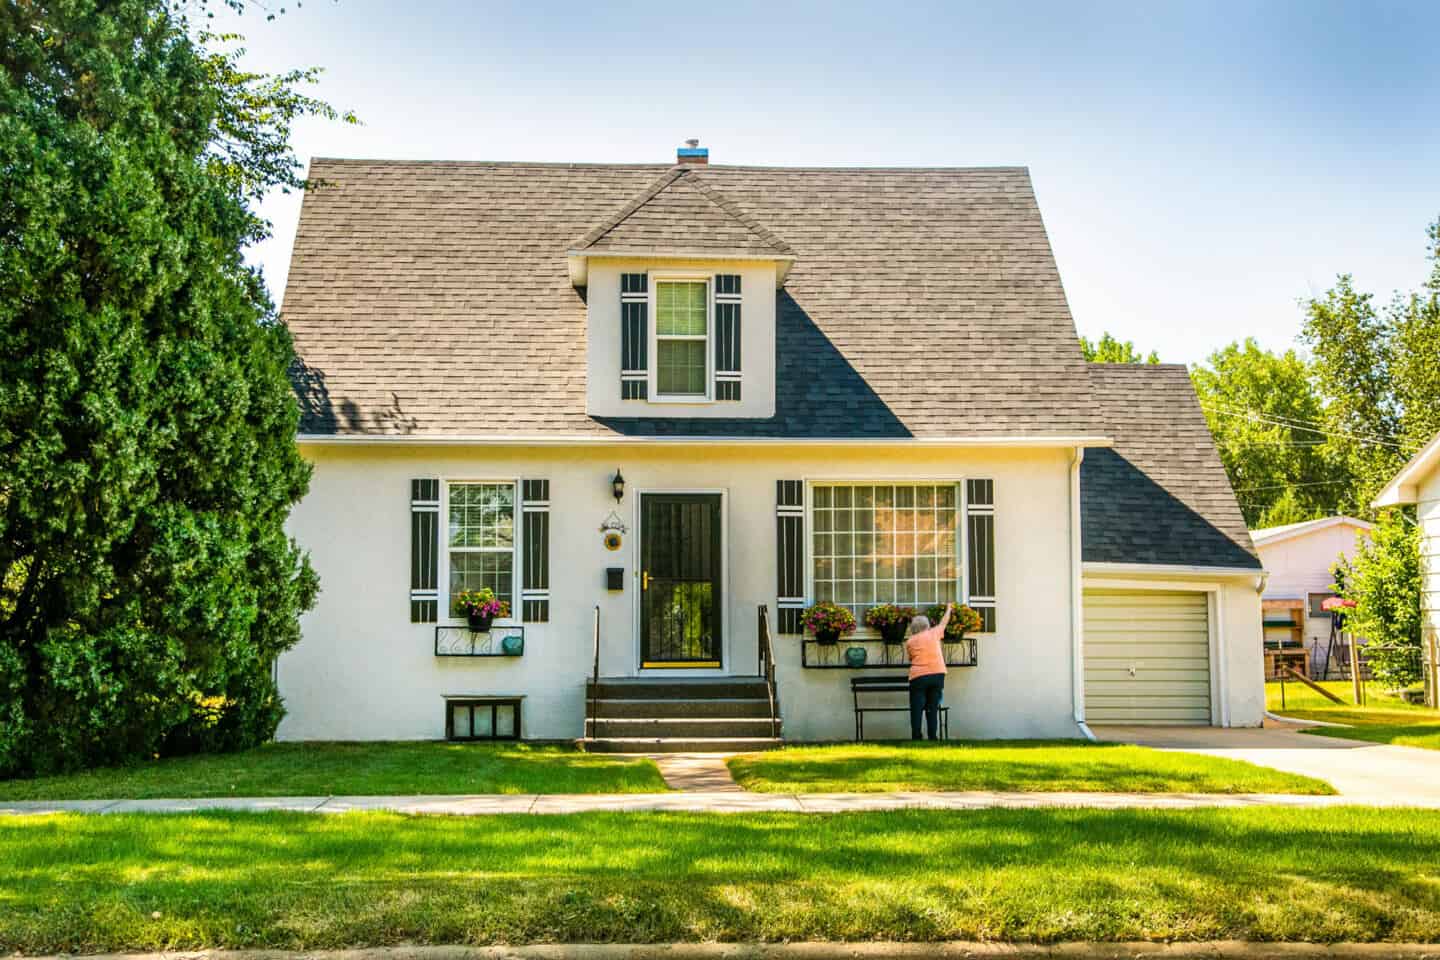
x=147, y=584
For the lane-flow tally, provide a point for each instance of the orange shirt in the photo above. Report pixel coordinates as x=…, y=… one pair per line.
x=927, y=656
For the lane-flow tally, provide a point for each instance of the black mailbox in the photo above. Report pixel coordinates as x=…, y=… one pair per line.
x=614, y=578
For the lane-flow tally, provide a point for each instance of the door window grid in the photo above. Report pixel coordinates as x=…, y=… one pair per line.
x=885, y=543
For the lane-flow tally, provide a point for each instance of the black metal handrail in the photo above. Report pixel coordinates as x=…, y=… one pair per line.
x=767, y=667
x=592, y=718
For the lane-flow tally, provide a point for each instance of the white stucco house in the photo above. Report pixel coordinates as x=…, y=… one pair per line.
x=1299, y=559
x=1418, y=484
x=682, y=401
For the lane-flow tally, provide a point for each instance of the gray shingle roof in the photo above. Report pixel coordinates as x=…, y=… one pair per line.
x=680, y=211
x=434, y=299
x=1161, y=495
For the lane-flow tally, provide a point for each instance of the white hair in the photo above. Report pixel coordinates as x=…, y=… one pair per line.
x=917, y=625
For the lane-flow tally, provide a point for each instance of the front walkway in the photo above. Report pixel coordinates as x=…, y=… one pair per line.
x=730, y=801
x=1363, y=772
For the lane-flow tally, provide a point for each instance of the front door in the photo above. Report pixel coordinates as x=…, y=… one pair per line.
x=680, y=599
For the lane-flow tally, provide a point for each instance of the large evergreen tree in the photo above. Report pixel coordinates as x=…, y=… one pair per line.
x=147, y=455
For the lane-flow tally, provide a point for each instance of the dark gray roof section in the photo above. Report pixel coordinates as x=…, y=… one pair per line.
x=1160, y=496
x=433, y=299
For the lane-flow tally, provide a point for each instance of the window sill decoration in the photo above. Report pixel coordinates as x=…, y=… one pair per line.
x=890, y=621
x=880, y=655
x=827, y=621
x=460, y=640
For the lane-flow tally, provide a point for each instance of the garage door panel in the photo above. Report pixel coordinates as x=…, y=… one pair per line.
x=1157, y=652
x=1182, y=681
x=1164, y=636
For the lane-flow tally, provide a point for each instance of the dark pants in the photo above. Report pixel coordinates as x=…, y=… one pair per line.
x=925, y=693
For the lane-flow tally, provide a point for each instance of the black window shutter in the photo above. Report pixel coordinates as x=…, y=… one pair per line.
x=980, y=536
x=424, y=549
x=789, y=554
x=727, y=336
x=535, y=556
x=634, y=336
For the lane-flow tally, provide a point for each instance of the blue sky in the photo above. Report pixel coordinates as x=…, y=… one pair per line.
x=1200, y=166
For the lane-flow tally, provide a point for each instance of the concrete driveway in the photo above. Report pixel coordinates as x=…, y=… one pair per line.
x=1369, y=773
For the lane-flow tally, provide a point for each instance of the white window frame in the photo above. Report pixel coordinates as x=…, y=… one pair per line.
x=653, y=290
x=446, y=613
x=962, y=546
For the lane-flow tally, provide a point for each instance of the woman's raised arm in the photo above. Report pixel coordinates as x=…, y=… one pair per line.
x=945, y=620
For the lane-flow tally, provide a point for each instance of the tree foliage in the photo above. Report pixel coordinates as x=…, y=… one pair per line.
x=1263, y=410
x=146, y=420
x=1379, y=372
x=1383, y=578
x=1110, y=350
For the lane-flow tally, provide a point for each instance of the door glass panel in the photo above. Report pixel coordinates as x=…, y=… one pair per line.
x=680, y=605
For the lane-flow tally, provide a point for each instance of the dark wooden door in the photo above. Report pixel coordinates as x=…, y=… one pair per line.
x=680, y=583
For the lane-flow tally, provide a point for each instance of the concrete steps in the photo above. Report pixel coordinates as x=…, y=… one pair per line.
x=680, y=715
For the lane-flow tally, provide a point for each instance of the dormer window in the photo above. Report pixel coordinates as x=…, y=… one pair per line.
x=682, y=338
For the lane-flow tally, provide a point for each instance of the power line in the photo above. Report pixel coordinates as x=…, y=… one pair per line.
x=1287, y=486
x=1297, y=421
x=1298, y=425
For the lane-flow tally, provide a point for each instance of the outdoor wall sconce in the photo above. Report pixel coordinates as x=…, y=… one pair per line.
x=617, y=485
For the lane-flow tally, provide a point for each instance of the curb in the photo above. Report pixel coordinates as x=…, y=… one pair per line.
x=947, y=950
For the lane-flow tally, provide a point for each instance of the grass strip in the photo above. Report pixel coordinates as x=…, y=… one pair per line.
x=295, y=881
x=355, y=769
x=1038, y=765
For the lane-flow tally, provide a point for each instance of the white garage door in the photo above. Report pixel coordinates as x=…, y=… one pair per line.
x=1147, y=657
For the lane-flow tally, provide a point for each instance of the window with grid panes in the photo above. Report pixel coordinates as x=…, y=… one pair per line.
x=885, y=543
x=481, y=538
x=681, y=334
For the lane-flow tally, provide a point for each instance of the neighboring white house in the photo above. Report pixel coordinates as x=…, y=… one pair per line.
x=1298, y=559
x=1418, y=483
x=685, y=401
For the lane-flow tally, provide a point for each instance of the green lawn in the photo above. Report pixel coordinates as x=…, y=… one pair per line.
x=1006, y=765
x=324, y=769
x=1383, y=719
x=182, y=882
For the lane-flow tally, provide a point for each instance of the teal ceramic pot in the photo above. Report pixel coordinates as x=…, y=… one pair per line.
x=855, y=656
x=513, y=645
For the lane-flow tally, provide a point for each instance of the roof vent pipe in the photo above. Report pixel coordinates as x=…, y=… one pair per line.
x=692, y=154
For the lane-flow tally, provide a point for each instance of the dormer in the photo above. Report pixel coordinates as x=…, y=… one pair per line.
x=680, y=297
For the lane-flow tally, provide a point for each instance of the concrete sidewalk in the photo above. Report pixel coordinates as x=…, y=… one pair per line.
x=725, y=801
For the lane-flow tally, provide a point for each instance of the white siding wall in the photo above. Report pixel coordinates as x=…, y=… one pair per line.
x=1428, y=512
x=1301, y=566
x=757, y=341
x=363, y=671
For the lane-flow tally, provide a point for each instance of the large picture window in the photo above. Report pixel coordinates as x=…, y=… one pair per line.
x=681, y=338
x=885, y=543
x=480, y=538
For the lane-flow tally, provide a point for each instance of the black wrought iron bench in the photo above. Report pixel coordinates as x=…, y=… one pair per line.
x=893, y=684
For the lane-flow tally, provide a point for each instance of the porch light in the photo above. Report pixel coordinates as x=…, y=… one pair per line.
x=617, y=485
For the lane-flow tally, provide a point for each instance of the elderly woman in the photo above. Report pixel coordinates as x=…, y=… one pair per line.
x=927, y=671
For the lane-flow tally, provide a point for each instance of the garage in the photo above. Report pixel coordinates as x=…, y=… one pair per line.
x=1147, y=657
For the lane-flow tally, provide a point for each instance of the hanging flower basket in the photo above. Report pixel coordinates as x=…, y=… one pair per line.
x=963, y=621
x=891, y=621
x=828, y=621
x=480, y=608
